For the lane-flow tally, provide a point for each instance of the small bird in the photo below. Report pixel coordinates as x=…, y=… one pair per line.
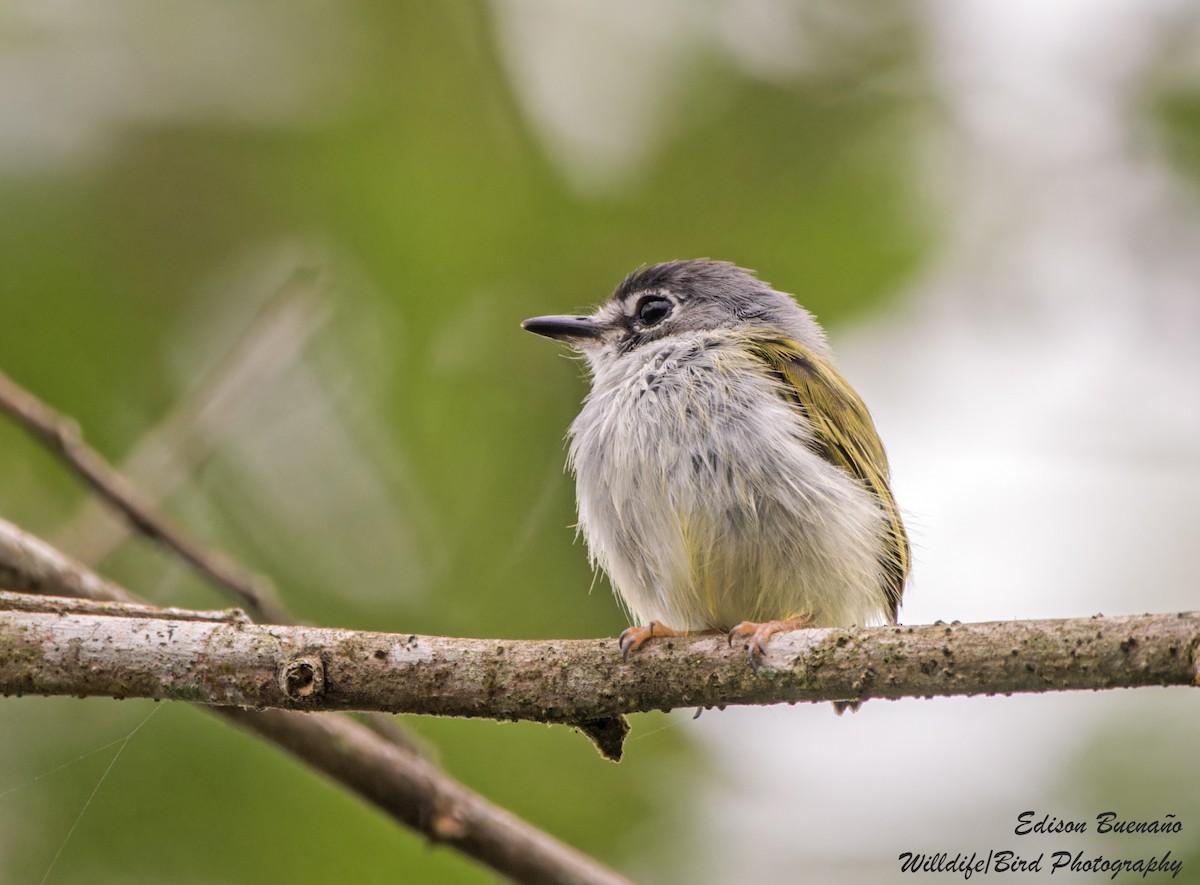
x=727, y=477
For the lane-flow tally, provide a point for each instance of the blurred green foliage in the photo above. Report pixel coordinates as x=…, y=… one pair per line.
x=429, y=181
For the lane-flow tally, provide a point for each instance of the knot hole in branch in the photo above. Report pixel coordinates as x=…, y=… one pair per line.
x=302, y=678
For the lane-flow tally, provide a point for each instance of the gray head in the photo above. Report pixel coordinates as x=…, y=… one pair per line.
x=681, y=297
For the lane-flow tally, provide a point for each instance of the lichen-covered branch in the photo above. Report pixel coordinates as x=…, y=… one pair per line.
x=316, y=668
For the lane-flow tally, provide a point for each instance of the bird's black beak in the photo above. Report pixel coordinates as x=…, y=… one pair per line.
x=564, y=328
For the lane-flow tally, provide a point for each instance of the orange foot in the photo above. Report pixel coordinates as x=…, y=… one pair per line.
x=633, y=638
x=760, y=634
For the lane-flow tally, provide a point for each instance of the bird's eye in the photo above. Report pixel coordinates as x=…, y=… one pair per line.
x=653, y=309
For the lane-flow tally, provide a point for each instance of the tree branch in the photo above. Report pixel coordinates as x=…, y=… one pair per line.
x=316, y=668
x=30, y=565
x=418, y=794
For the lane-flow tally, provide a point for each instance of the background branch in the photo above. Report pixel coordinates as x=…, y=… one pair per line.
x=29, y=564
x=170, y=452
x=64, y=437
x=314, y=668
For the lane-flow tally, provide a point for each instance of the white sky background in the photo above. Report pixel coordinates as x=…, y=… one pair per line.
x=75, y=75
x=1037, y=390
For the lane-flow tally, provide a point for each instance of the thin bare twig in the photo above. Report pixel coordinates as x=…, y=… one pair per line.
x=171, y=451
x=403, y=784
x=64, y=437
x=63, y=605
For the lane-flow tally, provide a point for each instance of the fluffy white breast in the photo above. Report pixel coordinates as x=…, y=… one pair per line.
x=699, y=495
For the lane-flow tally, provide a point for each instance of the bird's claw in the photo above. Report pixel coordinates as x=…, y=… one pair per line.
x=633, y=638
x=759, y=634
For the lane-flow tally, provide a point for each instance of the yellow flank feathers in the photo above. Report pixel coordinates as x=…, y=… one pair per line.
x=844, y=435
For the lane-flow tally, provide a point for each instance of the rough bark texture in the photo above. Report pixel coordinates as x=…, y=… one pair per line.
x=315, y=668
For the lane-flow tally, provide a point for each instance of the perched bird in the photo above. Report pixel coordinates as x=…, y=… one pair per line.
x=728, y=478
